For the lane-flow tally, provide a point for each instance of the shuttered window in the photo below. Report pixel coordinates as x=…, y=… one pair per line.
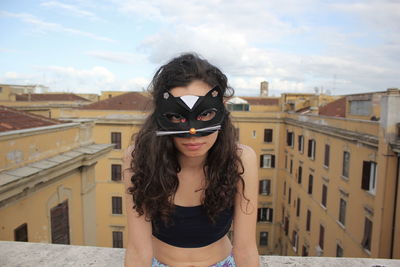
x=267, y=161
x=268, y=135
x=116, y=140
x=326, y=158
x=265, y=215
x=60, y=224
x=342, y=211
x=321, y=236
x=290, y=138
x=290, y=195
x=117, y=205
x=265, y=187
x=311, y=148
x=298, y=207
x=295, y=240
x=301, y=143
x=117, y=239
x=21, y=233
x=263, y=238
x=324, y=195
x=346, y=164
x=310, y=184
x=299, y=174
x=366, y=241
x=339, y=251
x=116, y=172
x=308, y=222
x=368, y=181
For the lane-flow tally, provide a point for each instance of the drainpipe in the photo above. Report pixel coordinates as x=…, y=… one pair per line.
x=395, y=205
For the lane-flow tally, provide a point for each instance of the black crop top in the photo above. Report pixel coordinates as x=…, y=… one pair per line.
x=192, y=228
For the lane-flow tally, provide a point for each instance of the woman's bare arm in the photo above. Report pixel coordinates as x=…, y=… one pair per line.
x=244, y=223
x=139, y=251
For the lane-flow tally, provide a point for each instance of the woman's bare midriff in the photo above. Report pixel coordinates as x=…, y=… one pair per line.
x=193, y=257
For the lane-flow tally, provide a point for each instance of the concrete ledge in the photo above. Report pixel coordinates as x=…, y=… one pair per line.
x=24, y=254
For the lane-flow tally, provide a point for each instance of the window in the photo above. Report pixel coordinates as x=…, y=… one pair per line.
x=295, y=240
x=267, y=135
x=310, y=184
x=254, y=135
x=346, y=164
x=286, y=225
x=116, y=140
x=290, y=195
x=285, y=162
x=324, y=195
x=267, y=161
x=342, y=211
x=265, y=215
x=290, y=138
x=238, y=107
x=299, y=174
x=116, y=205
x=263, y=238
x=369, y=176
x=284, y=188
x=305, y=251
x=311, y=149
x=59, y=220
x=321, y=236
x=298, y=207
x=291, y=167
x=264, y=187
x=326, y=158
x=339, y=251
x=117, y=239
x=366, y=241
x=116, y=172
x=308, y=222
x=301, y=143
x=21, y=233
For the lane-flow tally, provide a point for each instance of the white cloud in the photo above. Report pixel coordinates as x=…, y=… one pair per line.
x=44, y=27
x=72, y=9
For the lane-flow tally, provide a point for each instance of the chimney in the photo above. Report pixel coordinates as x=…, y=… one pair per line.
x=264, y=89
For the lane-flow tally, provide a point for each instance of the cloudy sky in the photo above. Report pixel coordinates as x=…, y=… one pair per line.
x=88, y=46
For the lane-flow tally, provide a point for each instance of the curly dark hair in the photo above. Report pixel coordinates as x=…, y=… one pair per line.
x=154, y=158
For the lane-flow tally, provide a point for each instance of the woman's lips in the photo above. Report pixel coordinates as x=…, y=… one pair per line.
x=193, y=146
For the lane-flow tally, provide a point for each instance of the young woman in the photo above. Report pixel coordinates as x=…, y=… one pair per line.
x=186, y=177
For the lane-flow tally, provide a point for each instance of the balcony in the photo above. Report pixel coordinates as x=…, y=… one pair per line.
x=40, y=254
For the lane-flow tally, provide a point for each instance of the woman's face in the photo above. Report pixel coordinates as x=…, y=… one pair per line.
x=194, y=146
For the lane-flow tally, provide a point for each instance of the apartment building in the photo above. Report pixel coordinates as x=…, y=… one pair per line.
x=47, y=178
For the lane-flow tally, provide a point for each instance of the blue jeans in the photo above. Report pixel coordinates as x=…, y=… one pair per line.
x=227, y=262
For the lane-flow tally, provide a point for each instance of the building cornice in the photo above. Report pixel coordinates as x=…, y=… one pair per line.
x=19, y=182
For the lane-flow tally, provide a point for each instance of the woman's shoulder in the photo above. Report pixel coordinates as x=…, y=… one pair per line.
x=246, y=152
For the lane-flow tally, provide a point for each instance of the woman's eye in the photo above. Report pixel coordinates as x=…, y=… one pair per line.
x=207, y=115
x=175, y=118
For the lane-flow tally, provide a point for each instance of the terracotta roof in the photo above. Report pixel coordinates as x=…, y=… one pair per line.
x=12, y=119
x=50, y=97
x=336, y=108
x=128, y=101
x=262, y=101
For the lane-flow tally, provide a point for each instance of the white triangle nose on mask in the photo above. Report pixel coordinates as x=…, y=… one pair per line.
x=189, y=100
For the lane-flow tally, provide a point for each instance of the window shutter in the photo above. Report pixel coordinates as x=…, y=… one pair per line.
x=271, y=215
x=272, y=161
x=365, y=175
x=287, y=138
x=326, y=160
x=60, y=224
x=309, y=153
x=321, y=236
x=258, y=215
x=261, y=161
x=268, y=186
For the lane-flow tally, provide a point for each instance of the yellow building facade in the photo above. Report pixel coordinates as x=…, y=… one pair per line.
x=47, y=178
